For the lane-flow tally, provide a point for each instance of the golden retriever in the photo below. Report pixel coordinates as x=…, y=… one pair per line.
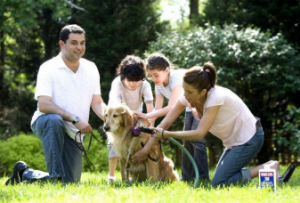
x=119, y=122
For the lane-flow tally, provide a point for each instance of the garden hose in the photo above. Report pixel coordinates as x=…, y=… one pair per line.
x=196, y=181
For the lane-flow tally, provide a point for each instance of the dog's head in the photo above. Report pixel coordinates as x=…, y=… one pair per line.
x=117, y=116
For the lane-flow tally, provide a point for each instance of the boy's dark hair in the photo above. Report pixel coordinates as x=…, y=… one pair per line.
x=65, y=31
x=133, y=68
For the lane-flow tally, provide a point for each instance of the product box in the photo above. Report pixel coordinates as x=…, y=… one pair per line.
x=267, y=178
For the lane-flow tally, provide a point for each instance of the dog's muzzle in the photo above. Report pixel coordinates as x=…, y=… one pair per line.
x=106, y=128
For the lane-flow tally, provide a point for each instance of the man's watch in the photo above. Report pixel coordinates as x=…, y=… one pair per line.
x=75, y=120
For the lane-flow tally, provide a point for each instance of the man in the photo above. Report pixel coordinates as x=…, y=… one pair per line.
x=67, y=86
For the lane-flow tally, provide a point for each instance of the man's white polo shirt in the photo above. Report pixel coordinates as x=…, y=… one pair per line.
x=70, y=91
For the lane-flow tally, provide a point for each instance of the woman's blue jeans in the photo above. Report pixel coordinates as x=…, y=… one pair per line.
x=197, y=149
x=230, y=167
x=62, y=156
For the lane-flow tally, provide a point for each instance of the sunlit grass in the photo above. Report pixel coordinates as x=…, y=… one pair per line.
x=93, y=188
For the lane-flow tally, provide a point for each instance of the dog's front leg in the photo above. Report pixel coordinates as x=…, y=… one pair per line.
x=152, y=168
x=124, y=172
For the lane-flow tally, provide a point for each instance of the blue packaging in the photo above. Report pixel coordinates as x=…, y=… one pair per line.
x=267, y=178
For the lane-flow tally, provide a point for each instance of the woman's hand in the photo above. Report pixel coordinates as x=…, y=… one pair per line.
x=158, y=133
x=139, y=157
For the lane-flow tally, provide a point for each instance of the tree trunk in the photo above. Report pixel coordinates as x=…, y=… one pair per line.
x=194, y=11
x=2, y=52
x=2, y=48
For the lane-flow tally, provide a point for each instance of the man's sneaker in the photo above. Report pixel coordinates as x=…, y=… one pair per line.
x=287, y=174
x=15, y=177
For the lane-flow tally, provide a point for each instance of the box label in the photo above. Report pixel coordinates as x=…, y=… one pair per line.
x=267, y=179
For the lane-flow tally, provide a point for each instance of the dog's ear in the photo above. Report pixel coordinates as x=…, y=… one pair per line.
x=128, y=118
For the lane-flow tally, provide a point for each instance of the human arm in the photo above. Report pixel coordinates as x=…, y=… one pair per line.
x=141, y=155
x=149, y=106
x=98, y=106
x=46, y=106
x=159, y=99
x=198, y=134
x=159, y=111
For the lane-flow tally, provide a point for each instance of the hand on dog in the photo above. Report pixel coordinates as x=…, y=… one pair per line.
x=84, y=127
x=139, y=157
x=141, y=115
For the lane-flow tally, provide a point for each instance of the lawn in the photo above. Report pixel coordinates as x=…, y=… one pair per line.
x=93, y=188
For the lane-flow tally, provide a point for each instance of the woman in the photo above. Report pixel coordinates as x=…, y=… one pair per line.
x=168, y=84
x=226, y=116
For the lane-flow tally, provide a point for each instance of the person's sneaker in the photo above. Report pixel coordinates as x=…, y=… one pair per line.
x=111, y=179
x=15, y=177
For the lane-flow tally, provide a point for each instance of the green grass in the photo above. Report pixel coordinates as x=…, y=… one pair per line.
x=93, y=188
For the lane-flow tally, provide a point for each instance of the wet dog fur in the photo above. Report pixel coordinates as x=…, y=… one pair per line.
x=118, y=124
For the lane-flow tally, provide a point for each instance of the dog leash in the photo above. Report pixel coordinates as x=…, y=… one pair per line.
x=130, y=147
x=81, y=147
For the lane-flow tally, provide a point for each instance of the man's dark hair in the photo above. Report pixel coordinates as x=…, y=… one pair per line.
x=65, y=31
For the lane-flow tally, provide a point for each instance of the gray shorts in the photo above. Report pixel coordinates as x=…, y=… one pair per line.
x=111, y=151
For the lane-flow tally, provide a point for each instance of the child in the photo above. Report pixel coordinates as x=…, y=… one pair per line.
x=168, y=83
x=129, y=88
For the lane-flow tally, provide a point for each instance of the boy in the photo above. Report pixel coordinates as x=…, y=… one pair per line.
x=129, y=88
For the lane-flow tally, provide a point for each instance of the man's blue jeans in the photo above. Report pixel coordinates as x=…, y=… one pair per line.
x=62, y=156
x=197, y=149
x=230, y=167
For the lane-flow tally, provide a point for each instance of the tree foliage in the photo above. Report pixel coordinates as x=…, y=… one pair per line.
x=30, y=32
x=289, y=136
x=274, y=16
x=28, y=29
x=119, y=28
x=262, y=69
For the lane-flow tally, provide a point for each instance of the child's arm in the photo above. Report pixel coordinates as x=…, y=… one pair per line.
x=149, y=106
x=159, y=100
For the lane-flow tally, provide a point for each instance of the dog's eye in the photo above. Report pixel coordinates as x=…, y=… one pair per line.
x=105, y=115
x=115, y=115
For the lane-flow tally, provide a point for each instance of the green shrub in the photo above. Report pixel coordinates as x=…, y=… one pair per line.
x=23, y=147
x=98, y=153
x=289, y=136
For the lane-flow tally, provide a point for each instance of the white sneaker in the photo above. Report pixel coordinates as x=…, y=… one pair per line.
x=111, y=179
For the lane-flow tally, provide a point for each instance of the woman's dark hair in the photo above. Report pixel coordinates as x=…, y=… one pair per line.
x=201, y=77
x=65, y=31
x=158, y=61
x=133, y=68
